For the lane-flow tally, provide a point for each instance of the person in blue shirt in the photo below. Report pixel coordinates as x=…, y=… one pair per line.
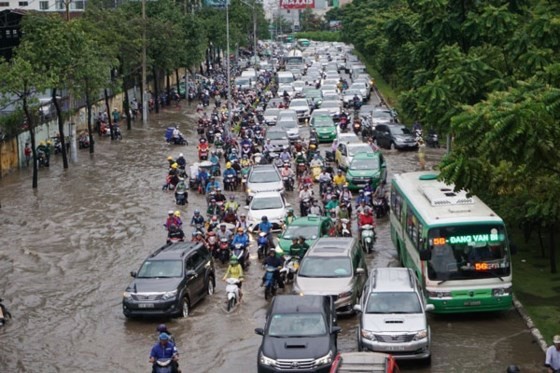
x=362, y=197
x=212, y=184
x=164, y=349
x=266, y=227
x=197, y=219
x=215, y=160
x=202, y=178
x=230, y=171
x=240, y=238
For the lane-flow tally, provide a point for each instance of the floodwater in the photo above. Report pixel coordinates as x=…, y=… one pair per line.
x=66, y=251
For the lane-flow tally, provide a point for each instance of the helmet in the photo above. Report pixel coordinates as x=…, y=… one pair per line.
x=180, y=155
x=170, y=212
x=214, y=218
x=170, y=158
x=164, y=337
x=203, y=140
x=161, y=328
x=193, y=234
x=232, y=197
x=228, y=165
x=196, y=212
x=264, y=218
x=361, y=191
x=290, y=210
x=177, y=213
x=272, y=251
x=233, y=260
x=174, y=166
x=198, y=233
x=513, y=369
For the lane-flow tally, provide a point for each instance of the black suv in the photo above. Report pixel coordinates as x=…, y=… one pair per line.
x=170, y=281
x=300, y=335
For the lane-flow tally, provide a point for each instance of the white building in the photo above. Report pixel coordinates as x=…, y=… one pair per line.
x=44, y=5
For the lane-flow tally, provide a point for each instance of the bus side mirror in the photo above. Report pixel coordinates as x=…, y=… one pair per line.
x=425, y=255
x=513, y=248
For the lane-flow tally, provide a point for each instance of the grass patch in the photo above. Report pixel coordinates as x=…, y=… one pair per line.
x=536, y=287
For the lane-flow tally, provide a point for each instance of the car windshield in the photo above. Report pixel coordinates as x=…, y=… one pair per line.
x=271, y=112
x=267, y=203
x=276, y=135
x=298, y=103
x=289, y=124
x=397, y=302
x=353, y=150
x=240, y=81
x=313, y=266
x=379, y=114
x=269, y=176
x=398, y=130
x=297, y=325
x=365, y=164
x=161, y=268
x=468, y=252
x=329, y=104
x=309, y=232
x=352, y=91
x=323, y=121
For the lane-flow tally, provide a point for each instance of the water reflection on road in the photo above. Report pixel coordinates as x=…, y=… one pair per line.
x=67, y=250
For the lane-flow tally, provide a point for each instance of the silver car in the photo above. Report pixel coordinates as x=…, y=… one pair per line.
x=393, y=315
x=263, y=178
x=301, y=107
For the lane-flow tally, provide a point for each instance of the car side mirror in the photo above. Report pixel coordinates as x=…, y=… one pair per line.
x=259, y=331
x=360, y=271
x=246, y=207
x=430, y=307
x=288, y=204
x=357, y=308
x=425, y=255
x=133, y=274
x=383, y=165
x=336, y=329
x=190, y=273
x=513, y=248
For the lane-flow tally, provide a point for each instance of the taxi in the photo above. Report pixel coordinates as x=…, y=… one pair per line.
x=366, y=168
x=311, y=227
x=345, y=152
x=323, y=126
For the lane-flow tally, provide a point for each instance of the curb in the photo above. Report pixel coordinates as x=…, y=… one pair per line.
x=535, y=332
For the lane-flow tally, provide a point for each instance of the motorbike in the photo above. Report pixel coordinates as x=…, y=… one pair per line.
x=357, y=126
x=380, y=207
x=316, y=171
x=262, y=244
x=244, y=175
x=170, y=139
x=288, y=183
x=223, y=251
x=212, y=241
x=4, y=314
x=368, y=238
x=163, y=366
x=83, y=141
x=432, y=140
x=343, y=124
x=58, y=145
x=242, y=255
x=181, y=197
x=203, y=154
x=300, y=169
x=345, y=228
x=42, y=159
x=291, y=266
x=232, y=293
x=230, y=182
x=270, y=283
x=305, y=206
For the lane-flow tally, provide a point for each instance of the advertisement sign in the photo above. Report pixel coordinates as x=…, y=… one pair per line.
x=297, y=4
x=215, y=3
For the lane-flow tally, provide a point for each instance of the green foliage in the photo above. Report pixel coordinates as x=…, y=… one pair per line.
x=10, y=124
x=320, y=35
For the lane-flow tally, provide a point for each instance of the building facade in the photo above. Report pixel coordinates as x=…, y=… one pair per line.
x=44, y=5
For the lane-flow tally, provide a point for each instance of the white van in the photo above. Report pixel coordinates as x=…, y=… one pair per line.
x=285, y=77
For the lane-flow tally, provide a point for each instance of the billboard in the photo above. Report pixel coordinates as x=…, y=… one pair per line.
x=297, y=4
x=215, y=3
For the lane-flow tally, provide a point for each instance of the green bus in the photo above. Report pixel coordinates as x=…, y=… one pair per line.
x=456, y=244
x=303, y=43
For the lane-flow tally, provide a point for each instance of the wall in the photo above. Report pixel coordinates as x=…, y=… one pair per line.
x=8, y=156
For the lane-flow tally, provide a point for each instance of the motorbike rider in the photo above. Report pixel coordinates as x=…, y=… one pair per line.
x=212, y=185
x=231, y=204
x=332, y=204
x=215, y=160
x=219, y=196
x=315, y=209
x=175, y=233
x=162, y=328
x=361, y=208
x=234, y=270
x=245, y=161
x=164, y=349
x=229, y=216
x=266, y=227
x=344, y=211
x=181, y=161
x=182, y=187
x=177, y=135
x=298, y=146
x=339, y=180
x=305, y=193
x=171, y=220
x=242, y=222
x=316, y=161
x=362, y=197
x=171, y=160
x=290, y=217
x=198, y=236
x=223, y=232
x=268, y=147
x=286, y=171
x=365, y=218
x=345, y=194
x=213, y=223
x=213, y=208
x=230, y=172
x=285, y=156
x=197, y=219
x=202, y=147
x=273, y=261
x=202, y=178
x=178, y=220
x=296, y=249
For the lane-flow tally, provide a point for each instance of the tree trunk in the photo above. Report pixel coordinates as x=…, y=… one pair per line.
x=106, y=94
x=126, y=106
x=60, y=129
x=32, y=136
x=89, y=125
x=168, y=81
x=156, y=92
x=552, y=249
x=178, y=81
x=541, y=242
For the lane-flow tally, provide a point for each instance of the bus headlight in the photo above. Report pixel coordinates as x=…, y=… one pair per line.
x=501, y=292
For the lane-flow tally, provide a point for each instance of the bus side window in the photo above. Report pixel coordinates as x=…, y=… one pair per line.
x=420, y=244
x=412, y=226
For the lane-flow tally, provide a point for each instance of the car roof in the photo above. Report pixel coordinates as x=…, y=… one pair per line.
x=309, y=220
x=363, y=155
x=394, y=279
x=174, y=251
x=297, y=303
x=266, y=195
x=329, y=246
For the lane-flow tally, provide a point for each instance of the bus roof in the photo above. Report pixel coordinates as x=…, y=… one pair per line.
x=294, y=53
x=436, y=202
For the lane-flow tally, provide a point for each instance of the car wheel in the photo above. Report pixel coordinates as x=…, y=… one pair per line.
x=210, y=286
x=185, y=308
x=427, y=361
x=392, y=146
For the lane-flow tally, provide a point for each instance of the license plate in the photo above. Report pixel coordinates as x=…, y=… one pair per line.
x=472, y=303
x=146, y=305
x=395, y=348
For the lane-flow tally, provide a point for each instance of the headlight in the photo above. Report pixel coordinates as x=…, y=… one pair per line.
x=127, y=295
x=327, y=359
x=421, y=335
x=439, y=294
x=501, y=292
x=368, y=335
x=169, y=294
x=249, y=190
x=346, y=294
x=266, y=360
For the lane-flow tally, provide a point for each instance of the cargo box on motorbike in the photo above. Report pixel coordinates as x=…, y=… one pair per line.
x=169, y=133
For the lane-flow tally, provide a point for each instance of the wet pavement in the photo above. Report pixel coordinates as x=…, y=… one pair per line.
x=67, y=250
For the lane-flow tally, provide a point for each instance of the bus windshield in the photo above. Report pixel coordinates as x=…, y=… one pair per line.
x=468, y=252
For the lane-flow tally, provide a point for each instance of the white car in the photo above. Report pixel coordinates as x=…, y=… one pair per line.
x=301, y=107
x=333, y=107
x=298, y=86
x=291, y=127
x=361, y=86
x=269, y=204
x=263, y=179
x=286, y=88
x=348, y=96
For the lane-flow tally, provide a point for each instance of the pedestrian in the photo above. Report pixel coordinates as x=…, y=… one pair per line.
x=552, y=360
x=116, y=116
x=422, y=154
x=27, y=154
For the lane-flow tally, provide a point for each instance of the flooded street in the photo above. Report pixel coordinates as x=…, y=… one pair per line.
x=67, y=250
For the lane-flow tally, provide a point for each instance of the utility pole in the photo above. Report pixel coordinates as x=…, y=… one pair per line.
x=144, y=83
x=228, y=67
x=255, y=33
